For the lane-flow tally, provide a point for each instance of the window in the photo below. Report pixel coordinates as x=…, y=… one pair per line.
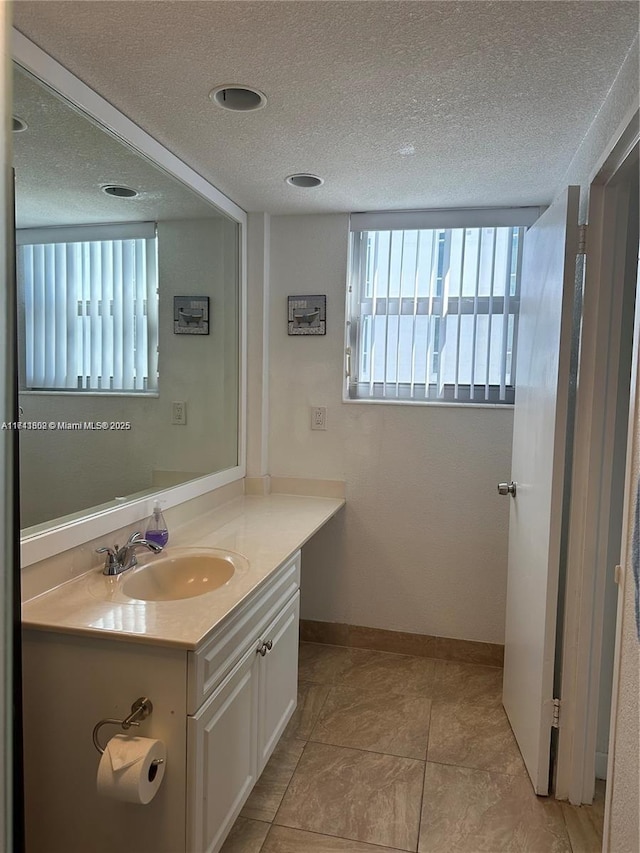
x=88, y=300
x=433, y=311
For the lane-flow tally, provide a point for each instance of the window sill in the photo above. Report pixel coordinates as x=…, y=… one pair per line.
x=83, y=394
x=444, y=404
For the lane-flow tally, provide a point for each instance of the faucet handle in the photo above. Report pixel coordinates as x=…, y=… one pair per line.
x=135, y=537
x=105, y=550
x=111, y=560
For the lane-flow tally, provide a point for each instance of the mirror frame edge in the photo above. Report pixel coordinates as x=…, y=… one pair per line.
x=61, y=537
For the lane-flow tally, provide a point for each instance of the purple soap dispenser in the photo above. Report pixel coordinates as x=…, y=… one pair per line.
x=157, y=530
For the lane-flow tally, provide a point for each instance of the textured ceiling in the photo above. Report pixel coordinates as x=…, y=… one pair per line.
x=395, y=104
x=62, y=160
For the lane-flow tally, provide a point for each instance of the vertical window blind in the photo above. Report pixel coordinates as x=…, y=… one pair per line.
x=89, y=303
x=433, y=312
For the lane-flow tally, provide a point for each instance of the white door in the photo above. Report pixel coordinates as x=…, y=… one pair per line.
x=538, y=470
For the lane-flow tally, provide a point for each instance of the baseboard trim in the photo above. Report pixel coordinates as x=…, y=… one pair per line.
x=400, y=642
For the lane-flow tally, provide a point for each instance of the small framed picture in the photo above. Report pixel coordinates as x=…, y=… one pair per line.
x=307, y=315
x=190, y=315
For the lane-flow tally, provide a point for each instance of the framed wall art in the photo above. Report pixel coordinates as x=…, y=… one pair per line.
x=191, y=315
x=307, y=315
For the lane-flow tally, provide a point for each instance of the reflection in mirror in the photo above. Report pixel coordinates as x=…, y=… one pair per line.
x=98, y=271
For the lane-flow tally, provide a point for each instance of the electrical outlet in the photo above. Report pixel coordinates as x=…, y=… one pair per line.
x=318, y=417
x=179, y=412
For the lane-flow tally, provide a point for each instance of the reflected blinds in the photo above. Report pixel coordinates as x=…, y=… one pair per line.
x=89, y=308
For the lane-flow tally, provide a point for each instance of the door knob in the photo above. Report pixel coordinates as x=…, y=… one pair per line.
x=507, y=489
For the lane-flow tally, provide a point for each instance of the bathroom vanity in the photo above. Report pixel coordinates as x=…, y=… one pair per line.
x=220, y=669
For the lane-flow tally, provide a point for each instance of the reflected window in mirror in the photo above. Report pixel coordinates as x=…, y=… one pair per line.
x=70, y=470
x=88, y=298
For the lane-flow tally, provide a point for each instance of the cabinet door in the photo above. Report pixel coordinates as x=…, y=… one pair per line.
x=278, y=678
x=222, y=749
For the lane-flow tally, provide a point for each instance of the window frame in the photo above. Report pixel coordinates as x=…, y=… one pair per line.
x=433, y=220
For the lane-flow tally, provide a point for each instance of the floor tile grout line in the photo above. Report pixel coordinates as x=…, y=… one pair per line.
x=424, y=784
x=306, y=742
x=324, y=702
x=264, y=841
x=344, y=838
x=371, y=844
x=477, y=769
x=364, y=749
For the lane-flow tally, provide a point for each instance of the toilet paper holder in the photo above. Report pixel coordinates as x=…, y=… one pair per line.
x=140, y=710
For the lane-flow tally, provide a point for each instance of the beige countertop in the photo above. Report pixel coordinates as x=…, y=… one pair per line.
x=266, y=530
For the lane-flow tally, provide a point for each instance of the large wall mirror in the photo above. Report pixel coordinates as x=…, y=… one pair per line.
x=103, y=374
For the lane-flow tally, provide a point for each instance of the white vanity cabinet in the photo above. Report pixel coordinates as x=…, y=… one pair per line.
x=220, y=710
x=232, y=735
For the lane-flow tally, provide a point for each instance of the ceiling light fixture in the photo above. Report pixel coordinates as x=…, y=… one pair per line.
x=19, y=124
x=119, y=191
x=239, y=99
x=305, y=180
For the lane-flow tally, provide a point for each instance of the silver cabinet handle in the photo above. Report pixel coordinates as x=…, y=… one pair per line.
x=507, y=489
x=263, y=648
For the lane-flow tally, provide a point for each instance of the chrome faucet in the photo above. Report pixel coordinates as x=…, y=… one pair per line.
x=118, y=559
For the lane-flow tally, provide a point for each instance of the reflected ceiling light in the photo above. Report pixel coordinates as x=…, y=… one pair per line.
x=119, y=191
x=239, y=99
x=305, y=180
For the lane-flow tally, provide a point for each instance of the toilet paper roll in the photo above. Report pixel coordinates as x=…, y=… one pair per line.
x=127, y=771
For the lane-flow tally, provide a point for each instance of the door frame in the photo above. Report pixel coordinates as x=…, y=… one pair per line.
x=597, y=400
x=11, y=822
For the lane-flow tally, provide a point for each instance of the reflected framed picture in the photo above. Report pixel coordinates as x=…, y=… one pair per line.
x=191, y=315
x=307, y=315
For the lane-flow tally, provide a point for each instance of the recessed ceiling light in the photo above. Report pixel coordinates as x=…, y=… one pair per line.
x=240, y=99
x=304, y=180
x=119, y=191
x=19, y=124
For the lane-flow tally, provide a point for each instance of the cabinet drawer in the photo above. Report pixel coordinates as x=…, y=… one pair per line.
x=210, y=664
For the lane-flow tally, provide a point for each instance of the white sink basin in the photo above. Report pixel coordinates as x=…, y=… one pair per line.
x=182, y=573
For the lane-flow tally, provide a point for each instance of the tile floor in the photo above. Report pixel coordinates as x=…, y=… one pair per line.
x=391, y=752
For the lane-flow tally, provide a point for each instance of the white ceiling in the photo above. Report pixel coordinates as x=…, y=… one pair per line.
x=395, y=104
x=62, y=160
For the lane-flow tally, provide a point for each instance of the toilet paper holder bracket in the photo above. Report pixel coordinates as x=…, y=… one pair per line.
x=140, y=710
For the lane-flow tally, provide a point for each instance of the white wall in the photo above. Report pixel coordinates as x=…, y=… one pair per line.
x=624, y=780
x=422, y=544
x=625, y=832
x=62, y=472
x=612, y=117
